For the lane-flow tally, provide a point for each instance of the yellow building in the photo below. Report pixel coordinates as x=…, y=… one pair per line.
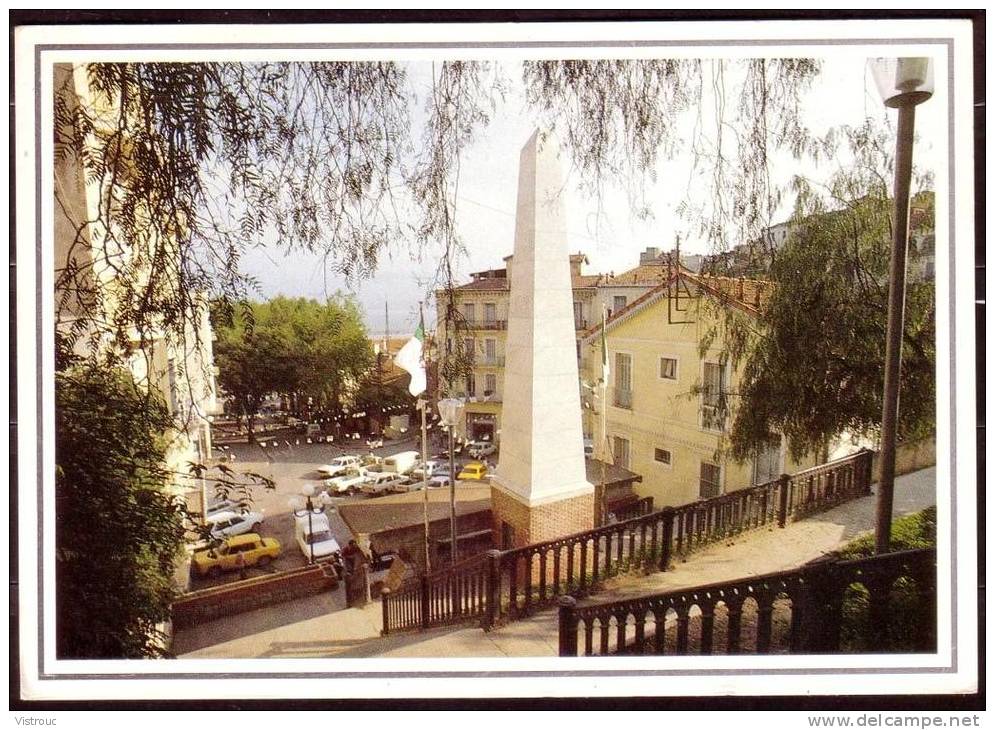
x=177, y=362
x=665, y=408
x=481, y=322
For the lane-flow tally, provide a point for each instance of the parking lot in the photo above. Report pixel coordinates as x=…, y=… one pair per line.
x=291, y=467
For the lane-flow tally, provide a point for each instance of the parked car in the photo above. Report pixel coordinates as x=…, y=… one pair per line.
x=226, y=505
x=340, y=465
x=438, y=481
x=316, y=535
x=229, y=524
x=401, y=463
x=314, y=429
x=346, y=483
x=380, y=482
x=474, y=471
x=235, y=553
x=480, y=449
x=433, y=467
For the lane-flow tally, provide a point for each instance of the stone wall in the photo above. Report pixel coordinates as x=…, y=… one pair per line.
x=909, y=457
x=247, y=595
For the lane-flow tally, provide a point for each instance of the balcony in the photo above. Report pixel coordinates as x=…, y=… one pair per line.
x=487, y=324
x=622, y=398
x=713, y=418
x=496, y=361
x=580, y=323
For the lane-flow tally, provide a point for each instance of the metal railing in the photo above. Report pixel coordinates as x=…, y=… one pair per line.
x=881, y=603
x=507, y=585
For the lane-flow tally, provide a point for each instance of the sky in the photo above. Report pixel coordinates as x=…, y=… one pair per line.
x=844, y=93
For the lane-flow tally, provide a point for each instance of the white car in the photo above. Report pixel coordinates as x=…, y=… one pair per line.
x=438, y=481
x=346, y=483
x=229, y=524
x=380, y=482
x=340, y=465
x=480, y=449
x=433, y=467
x=226, y=505
x=315, y=535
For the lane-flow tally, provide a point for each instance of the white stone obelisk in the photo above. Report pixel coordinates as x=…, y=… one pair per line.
x=540, y=491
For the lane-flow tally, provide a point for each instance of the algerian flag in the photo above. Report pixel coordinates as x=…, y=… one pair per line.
x=410, y=358
x=604, y=350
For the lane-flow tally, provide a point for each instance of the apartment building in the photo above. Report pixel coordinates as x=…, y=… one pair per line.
x=665, y=409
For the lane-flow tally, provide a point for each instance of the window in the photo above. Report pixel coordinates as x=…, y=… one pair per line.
x=490, y=313
x=668, y=368
x=468, y=348
x=578, y=315
x=713, y=397
x=710, y=483
x=623, y=380
x=468, y=313
x=662, y=456
x=618, y=303
x=471, y=385
x=490, y=384
x=490, y=351
x=620, y=450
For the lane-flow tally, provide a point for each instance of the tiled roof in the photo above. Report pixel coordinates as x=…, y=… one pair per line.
x=748, y=295
x=503, y=284
x=642, y=275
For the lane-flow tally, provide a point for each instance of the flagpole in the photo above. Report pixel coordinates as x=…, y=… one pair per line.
x=423, y=404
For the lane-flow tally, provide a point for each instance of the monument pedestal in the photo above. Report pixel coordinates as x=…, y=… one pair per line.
x=518, y=523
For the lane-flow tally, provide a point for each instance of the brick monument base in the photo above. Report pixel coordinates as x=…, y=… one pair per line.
x=530, y=524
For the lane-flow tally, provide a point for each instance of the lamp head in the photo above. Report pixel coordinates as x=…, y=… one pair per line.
x=903, y=81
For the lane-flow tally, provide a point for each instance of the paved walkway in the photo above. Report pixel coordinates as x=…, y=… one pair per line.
x=356, y=632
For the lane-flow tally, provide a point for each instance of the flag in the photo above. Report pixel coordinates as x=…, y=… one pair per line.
x=410, y=359
x=604, y=349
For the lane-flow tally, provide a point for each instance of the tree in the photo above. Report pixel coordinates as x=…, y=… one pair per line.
x=118, y=531
x=812, y=363
x=294, y=346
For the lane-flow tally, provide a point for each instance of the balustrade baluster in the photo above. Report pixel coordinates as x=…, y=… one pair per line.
x=682, y=630
x=622, y=623
x=765, y=615
x=639, y=639
x=583, y=565
x=620, y=549
x=588, y=636
x=556, y=569
x=527, y=590
x=707, y=627
x=605, y=629
x=659, y=630
x=596, y=546
x=513, y=587
x=542, y=575
x=570, y=565
x=632, y=546
x=735, y=616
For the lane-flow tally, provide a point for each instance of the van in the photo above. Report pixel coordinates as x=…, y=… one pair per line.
x=401, y=463
x=314, y=536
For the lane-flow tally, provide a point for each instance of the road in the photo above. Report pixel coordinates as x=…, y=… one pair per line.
x=291, y=467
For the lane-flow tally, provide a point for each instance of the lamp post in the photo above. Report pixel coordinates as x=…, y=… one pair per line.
x=450, y=410
x=304, y=505
x=903, y=83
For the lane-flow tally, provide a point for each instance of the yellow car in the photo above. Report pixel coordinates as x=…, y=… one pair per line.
x=473, y=470
x=235, y=553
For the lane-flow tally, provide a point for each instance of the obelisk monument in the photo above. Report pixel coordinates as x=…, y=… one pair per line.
x=540, y=491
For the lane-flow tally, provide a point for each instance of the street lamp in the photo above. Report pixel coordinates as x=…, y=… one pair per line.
x=903, y=83
x=304, y=505
x=450, y=410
